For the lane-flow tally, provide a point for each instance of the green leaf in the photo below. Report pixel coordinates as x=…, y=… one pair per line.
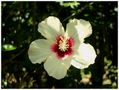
x=8, y=47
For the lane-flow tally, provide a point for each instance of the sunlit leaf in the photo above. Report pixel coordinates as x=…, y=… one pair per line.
x=70, y=4
x=8, y=47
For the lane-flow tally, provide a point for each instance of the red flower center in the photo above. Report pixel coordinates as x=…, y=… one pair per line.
x=63, y=46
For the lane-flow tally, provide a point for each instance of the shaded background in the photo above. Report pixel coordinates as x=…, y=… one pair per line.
x=19, y=28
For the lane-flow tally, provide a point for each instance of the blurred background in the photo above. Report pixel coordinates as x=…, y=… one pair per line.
x=19, y=28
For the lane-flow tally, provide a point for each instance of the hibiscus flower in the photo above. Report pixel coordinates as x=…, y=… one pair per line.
x=61, y=49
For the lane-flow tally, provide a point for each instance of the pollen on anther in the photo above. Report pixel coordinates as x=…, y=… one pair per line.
x=63, y=46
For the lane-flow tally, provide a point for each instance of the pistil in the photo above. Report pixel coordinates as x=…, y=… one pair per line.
x=63, y=44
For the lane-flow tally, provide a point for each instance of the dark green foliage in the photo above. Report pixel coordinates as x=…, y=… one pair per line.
x=19, y=28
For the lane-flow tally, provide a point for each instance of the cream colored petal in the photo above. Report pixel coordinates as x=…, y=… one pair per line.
x=85, y=56
x=51, y=27
x=86, y=28
x=39, y=50
x=72, y=32
x=56, y=68
x=79, y=29
x=67, y=61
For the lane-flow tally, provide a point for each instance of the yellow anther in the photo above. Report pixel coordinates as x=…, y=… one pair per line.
x=63, y=45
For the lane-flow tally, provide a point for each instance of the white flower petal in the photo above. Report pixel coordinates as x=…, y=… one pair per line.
x=86, y=28
x=72, y=32
x=82, y=27
x=51, y=27
x=56, y=68
x=85, y=56
x=39, y=50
